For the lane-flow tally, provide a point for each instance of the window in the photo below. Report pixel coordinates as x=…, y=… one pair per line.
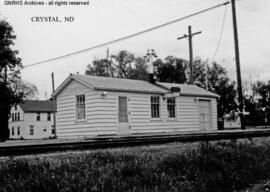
x=38, y=116
x=15, y=107
x=53, y=130
x=48, y=116
x=80, y=107
x=31, y=130
x=18, y=131
x=12, y=131
x=155, y=107
x=122, y=110
x=15, y=117
x=171, y=107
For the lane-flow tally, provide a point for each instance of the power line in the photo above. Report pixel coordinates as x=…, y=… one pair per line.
x=220, y=35
x=129, y=36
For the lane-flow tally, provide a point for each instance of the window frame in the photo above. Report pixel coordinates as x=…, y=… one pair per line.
x=159, y=104
x=175, y=108
x=18, y=131
x=53, y=131
x=12, y=131
x=49, y=118
x=80, y=104
x=38, y=116
x=31, y=130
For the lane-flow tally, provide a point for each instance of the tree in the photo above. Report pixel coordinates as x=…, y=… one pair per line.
x=172, y=70
x=101, y=67
x=139, y=71
x=199, y=73
x=262, y=89
x=214, y=78
x=219, y=83
x=10, y=66
x=251, y=107
x=126, y=65
x=29, y=90
x=121, y=65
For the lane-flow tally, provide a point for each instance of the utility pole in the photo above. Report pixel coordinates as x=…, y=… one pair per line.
x=238, y=69
x=5, y=76
x=53, y=82
x=189, y=36
x=206, y=77
x=54, y=107
x=108, y=53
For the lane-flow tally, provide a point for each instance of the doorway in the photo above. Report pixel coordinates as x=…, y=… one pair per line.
x=205, y=118
x=123, y=124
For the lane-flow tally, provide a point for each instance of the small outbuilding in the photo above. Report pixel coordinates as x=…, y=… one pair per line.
x=89, y=106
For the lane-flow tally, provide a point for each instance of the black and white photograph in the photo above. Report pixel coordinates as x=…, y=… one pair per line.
x=126, y=95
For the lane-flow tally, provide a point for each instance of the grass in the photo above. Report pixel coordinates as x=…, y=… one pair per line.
x=207, y=166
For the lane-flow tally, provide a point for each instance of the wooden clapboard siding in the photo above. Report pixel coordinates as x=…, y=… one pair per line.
x=186, y=120
x=139, y=108
x=187, y=112
x=214, y=113
x=100, y=112
x=163, y=105
x=140, y=115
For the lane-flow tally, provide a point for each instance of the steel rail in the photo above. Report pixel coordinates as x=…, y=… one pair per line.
x=134, y=140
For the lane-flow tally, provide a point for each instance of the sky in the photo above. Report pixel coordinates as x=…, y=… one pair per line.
x=105, y=20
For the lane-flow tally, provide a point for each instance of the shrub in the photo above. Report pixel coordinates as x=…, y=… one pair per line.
x=212, y=166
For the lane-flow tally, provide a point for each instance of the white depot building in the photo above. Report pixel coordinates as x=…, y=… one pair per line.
x=89, y=106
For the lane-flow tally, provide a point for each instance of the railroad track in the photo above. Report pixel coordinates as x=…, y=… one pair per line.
x=23, y=148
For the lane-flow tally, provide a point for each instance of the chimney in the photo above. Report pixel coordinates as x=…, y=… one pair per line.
x=152, y=78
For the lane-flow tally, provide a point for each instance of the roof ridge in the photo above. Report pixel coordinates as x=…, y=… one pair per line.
x=103, y=77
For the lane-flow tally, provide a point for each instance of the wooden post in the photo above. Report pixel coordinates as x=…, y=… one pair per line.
x=189, y=36
x=5, y=80
x=54, y=107
x=238, y=69
x=190, y=54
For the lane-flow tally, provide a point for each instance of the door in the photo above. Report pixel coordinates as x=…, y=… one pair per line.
x=205, y=119
x=123, y=125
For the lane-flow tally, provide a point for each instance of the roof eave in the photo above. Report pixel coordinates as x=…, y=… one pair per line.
x=37, y=111
x=129, y=90
x=199, y=95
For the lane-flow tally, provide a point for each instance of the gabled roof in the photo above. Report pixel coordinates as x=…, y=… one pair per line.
x=130, y=85
x=37, y=106
x=119, y=84
x=113, y=84
x=189, y=90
